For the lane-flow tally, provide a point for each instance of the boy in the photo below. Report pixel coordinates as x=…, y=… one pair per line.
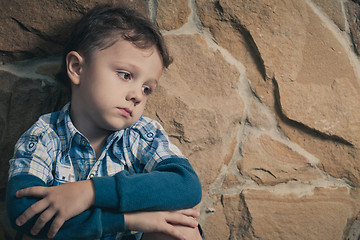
x=98, y=168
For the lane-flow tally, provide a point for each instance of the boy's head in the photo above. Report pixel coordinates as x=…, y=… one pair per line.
x=102, y=26
x=112, y=62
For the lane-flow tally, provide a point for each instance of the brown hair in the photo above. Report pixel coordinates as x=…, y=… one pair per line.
x=102, y=26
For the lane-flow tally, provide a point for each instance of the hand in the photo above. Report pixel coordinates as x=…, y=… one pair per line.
x=162, y=222
x=62, y=202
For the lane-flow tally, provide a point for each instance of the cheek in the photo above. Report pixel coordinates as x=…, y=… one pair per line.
x=143, y=104
x=106, y=90
x=140, y=108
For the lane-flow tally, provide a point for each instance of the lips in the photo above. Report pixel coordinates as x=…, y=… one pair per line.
x=125, y=112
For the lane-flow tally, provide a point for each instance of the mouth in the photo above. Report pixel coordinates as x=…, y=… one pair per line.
x=125, y=112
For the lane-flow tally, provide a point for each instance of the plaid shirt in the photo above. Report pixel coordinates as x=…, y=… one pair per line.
x=56, y=152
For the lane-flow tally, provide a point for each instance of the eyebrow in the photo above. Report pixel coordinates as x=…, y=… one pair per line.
x=154, y=81
x=126, y=64
x=133, y=68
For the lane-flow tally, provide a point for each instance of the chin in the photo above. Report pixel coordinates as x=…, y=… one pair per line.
x=119, y=124
x=117, y=127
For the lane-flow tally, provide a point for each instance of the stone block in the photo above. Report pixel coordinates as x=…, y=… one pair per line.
x=22, y=101
x=270, y=162
x=40, y=28
x=172, y=14
x=322, y=215
x=353, y=9
x=334, y=9
x=216, y=226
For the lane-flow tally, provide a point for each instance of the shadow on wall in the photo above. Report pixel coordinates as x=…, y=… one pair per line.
x=22, y=101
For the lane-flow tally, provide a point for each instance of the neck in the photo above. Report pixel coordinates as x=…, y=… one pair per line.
x=96, y=136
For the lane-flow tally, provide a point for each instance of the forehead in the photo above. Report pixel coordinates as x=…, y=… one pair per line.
x=125, y=54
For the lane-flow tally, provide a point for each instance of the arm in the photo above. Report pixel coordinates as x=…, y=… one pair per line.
x=89, y=224
x=100, y=220
x=173, y=184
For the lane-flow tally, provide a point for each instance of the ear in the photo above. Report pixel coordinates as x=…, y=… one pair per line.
x=74, y=65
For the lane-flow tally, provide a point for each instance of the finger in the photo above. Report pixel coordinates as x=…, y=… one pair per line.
x=172, y=231
x=191, y=212
x=34, y=209
x=55, y=226
x=32, y=192
x=45, y=217
x=180, y=219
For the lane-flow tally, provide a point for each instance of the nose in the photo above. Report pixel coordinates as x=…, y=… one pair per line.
x=135, y=94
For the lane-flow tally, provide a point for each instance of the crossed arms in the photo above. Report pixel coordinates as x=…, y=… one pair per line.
x=113, y=205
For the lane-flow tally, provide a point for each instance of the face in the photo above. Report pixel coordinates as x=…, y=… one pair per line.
x=113, y=88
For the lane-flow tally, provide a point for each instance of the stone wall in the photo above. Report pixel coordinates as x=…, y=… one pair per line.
x=263, y=97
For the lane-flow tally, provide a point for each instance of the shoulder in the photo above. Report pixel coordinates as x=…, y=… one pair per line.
x=147, y=124
x=151, y=144
x=46, y=124
x=42, y=130
x=147, y=128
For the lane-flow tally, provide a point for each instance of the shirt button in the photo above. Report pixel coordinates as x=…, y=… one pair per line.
x=150, y=135
x=92, y=175
x=83, y=141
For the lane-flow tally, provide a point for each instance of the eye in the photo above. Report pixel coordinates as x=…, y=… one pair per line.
x=146, y=90
x=125, y=75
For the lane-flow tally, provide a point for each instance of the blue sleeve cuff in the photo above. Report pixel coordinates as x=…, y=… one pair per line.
x=112, y=222
x=105, y=192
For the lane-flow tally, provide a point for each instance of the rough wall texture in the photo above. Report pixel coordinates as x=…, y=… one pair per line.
x=263, y=97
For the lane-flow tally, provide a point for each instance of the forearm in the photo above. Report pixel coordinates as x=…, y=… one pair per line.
x=92, y=223
x=172, y=185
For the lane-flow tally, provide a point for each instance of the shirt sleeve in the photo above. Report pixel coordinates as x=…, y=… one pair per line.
x=166, y=180
x=34, y=153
